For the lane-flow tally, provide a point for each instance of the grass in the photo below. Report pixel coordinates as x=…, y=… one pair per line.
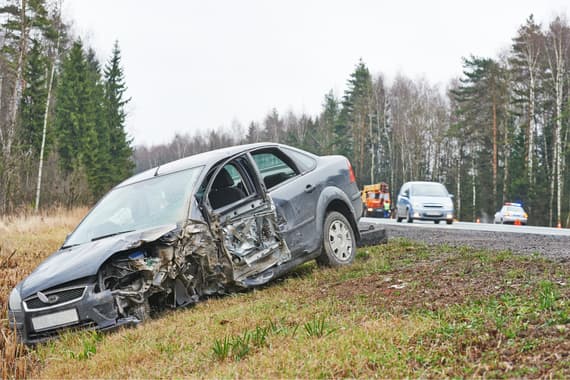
x=403, y=309
x=25, y=241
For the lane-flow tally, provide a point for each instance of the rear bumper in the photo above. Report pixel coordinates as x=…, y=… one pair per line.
x=514, y=219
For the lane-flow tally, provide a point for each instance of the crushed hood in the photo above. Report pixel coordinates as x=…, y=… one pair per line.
x=84, y=260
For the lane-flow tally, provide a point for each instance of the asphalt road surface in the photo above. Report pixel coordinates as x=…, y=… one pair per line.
x=553, y=243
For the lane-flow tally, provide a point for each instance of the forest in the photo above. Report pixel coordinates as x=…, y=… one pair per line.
x=497, y=133
x=62, y=116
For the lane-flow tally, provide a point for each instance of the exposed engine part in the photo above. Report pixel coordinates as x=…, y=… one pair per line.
x=196, y=261
x=166, y=273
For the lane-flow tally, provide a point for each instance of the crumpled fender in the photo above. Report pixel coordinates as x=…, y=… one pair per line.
x=84, y=260
x=329, y=194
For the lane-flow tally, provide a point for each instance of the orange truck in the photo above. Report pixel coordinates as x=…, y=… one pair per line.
x=376, y=200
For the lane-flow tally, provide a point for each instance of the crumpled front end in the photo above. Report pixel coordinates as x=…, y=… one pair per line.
x=175, y=270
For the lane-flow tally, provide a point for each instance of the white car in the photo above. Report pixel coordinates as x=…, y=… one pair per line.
x=511, y=213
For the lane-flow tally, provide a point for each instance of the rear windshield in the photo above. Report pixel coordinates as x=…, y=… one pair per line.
x=429, y=190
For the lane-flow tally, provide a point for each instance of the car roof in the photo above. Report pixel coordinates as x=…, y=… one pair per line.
x=201, y=159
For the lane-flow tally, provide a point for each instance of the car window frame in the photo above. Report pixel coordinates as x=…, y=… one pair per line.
x=284, y=157
x=290, y=151
x=246, y=177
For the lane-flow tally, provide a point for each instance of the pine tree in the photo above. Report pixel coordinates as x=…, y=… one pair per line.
x=34, y=99
x=327, y=122
x=76, y=117
x=353, y=133
x=482, y=101
x=120, y=151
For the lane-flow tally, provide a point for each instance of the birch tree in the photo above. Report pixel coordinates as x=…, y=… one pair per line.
x=557, y=49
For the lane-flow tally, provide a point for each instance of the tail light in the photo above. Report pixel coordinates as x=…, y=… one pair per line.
x=351, y=172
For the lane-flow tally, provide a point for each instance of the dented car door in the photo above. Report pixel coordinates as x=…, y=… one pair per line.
x=243, y=218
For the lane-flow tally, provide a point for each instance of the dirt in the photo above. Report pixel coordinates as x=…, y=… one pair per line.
x=436, y=284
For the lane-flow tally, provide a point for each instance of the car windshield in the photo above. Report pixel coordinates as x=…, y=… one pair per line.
x=429, y=190
x=150, y=203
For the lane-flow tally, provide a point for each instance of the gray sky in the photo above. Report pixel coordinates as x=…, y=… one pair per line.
x=192, y=66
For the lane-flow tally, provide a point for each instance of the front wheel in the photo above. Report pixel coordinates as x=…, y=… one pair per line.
x=339, y=242
x=410, y=219
x=436, y=221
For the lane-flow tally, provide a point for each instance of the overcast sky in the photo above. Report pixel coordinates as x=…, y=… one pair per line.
x=193, y=66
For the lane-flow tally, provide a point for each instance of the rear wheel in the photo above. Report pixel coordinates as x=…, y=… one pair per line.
x=436, y=221
x=339, y=242
x=449, y=221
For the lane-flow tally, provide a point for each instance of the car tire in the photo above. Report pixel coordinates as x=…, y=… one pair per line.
x=409, y=219
x=449, y=221
x=339, y=241
x=436, y=221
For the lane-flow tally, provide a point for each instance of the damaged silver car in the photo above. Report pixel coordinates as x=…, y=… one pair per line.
x=208, y=224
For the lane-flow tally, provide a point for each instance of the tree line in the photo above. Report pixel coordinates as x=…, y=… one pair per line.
x=498, y=133
x=62, y=115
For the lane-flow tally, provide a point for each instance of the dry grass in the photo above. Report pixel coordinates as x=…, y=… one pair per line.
x=402, y=310
x=25, y=240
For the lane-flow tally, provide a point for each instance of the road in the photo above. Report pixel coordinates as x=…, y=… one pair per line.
x=509, y=228
x=550, y=242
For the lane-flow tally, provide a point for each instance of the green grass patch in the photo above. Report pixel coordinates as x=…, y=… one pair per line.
x=401, y=310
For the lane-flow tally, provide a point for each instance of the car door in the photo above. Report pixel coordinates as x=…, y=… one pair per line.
x=403, y=201
x=295, y=191
x=243, y=218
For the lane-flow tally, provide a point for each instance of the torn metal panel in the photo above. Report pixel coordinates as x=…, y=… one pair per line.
x=180, y=270
x=252, y=240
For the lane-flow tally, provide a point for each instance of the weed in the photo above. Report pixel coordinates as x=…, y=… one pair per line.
x=547, y=295
x=222, y=348
x=259, y=336
x=89, y=346
x=318, y=327
x=240, y=346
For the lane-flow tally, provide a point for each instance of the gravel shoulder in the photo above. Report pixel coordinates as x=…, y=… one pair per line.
x=553, y=247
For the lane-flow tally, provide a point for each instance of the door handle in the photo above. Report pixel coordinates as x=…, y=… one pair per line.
x=309, y=188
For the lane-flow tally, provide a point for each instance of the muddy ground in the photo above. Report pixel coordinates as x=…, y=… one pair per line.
x=552, y=247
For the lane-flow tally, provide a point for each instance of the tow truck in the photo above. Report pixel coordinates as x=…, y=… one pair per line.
x=374, y=197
